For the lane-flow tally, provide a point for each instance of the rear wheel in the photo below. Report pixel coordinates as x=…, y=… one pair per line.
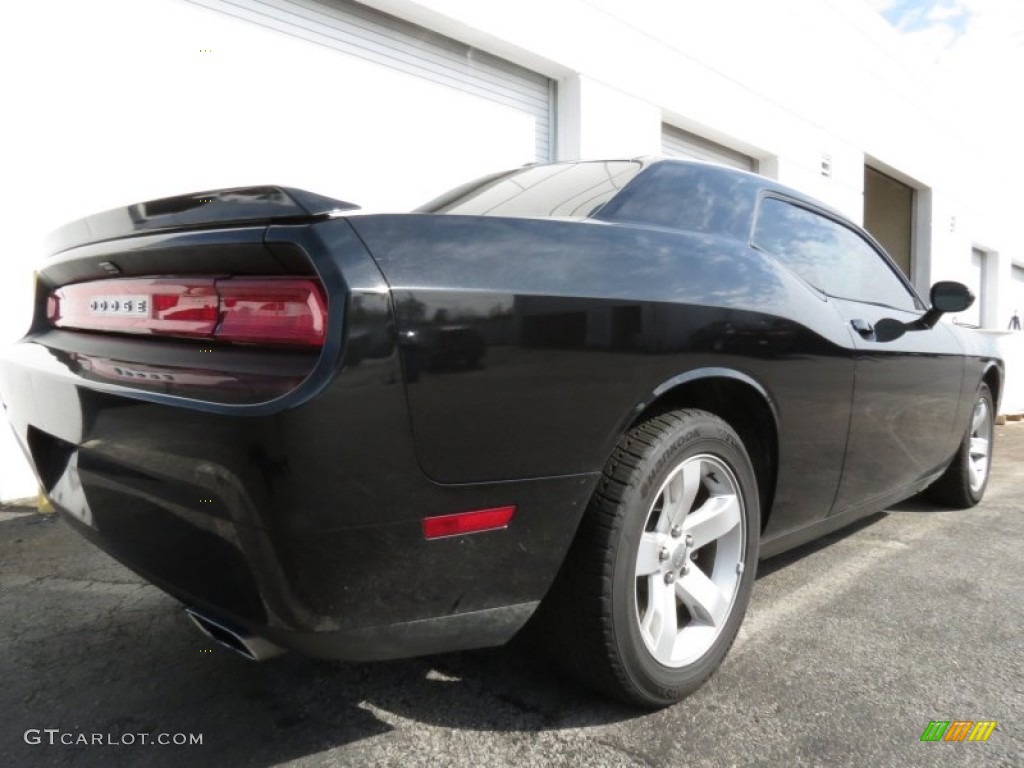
x=657, y=582
x=963, y=483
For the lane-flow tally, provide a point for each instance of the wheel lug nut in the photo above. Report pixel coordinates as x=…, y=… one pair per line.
x=689, y=540
x=663, y=554
x=677, y=531
x=670, y=577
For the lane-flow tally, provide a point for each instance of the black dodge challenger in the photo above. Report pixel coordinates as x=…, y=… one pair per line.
x=589, y=396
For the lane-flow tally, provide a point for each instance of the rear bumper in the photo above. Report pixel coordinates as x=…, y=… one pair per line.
x=442, y=634
x=229, y=583
x=300, y=524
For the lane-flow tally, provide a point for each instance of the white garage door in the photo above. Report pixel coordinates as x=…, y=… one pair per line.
x=368, y=34
x=675, y=142
x=395, y=113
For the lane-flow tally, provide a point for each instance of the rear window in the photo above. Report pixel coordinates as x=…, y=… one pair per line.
x=573, y=190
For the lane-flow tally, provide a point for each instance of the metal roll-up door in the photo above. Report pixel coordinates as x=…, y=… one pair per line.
x=373, y=36
x=675, y=142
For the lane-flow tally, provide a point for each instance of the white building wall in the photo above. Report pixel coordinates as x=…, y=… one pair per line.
x=113, y=103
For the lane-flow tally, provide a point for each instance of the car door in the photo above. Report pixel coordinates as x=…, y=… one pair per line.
x=905, y=398
x=907, y=386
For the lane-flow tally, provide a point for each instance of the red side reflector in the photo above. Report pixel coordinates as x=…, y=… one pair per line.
x=467, y=522
x=268, y=310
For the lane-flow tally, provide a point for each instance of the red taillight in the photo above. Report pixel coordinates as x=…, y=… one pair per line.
x=253, y=310
x=467, y=522
x=268, y=311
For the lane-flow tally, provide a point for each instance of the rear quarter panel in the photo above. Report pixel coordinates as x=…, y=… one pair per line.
x=580, y=324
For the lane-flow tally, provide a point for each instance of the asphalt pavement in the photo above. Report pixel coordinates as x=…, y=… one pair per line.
x=852, y=645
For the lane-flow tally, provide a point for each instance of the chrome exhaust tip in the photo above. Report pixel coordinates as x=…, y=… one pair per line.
x=250, y=646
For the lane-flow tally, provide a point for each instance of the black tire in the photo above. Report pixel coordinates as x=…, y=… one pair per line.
x=591, y=618
x=955, y=488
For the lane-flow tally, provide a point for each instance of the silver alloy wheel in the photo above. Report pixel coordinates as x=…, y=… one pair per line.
x=690, y=560
x=981, y=438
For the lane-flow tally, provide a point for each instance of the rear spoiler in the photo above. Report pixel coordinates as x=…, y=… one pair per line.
x=200, y=210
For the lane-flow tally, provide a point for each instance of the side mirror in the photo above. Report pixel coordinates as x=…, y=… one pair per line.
x=946, y=296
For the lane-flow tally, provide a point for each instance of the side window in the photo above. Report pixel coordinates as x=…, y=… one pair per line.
x=832, y=258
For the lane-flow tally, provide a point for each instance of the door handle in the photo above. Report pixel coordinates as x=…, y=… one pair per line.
x=864, y=328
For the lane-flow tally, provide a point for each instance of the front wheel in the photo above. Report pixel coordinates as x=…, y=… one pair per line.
x=655, y=587
x=963, y=483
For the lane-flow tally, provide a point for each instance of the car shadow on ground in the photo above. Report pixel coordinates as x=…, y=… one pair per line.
x=115, y=656
x=119, y=657
x=295, y=707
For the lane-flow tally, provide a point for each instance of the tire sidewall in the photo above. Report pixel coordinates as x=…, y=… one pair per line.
x=694, y=436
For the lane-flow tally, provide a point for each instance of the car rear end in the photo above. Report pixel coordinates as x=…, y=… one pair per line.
x=211, y=391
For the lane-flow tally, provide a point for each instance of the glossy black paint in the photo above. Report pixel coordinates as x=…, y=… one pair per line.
x=589, y=303
x=906, y=416
x=470, y=362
